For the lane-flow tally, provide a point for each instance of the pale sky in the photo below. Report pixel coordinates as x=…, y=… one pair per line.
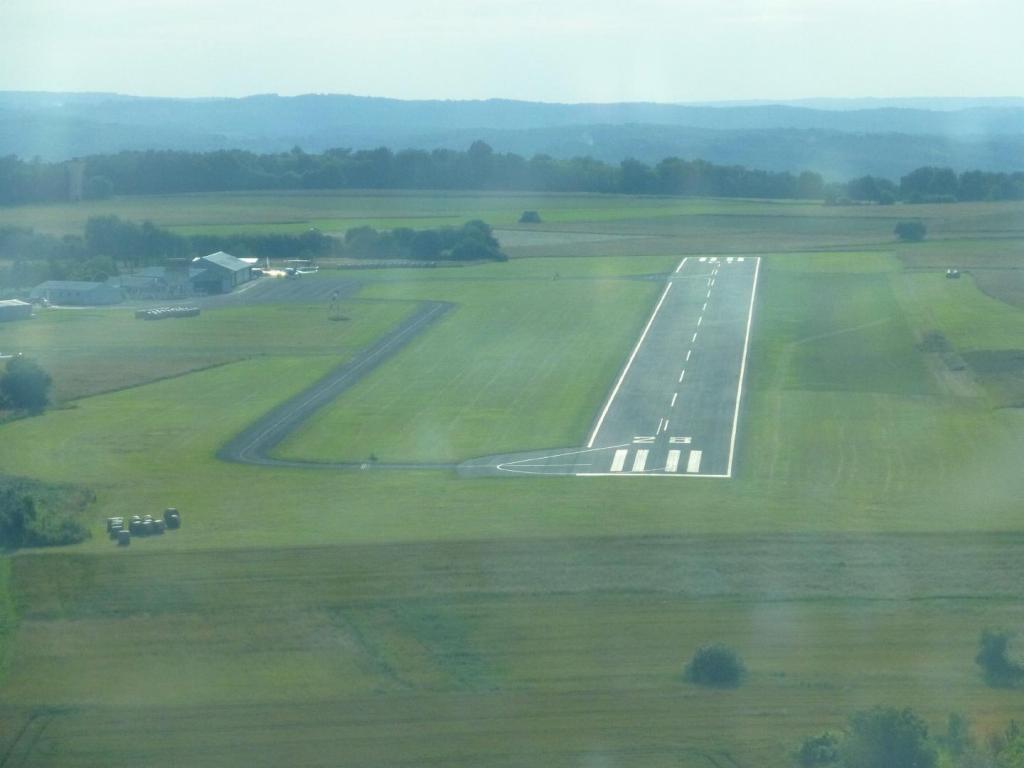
x=544, y=50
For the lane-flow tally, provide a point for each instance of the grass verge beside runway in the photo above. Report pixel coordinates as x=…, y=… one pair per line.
x=93, y=350
x=514, y=366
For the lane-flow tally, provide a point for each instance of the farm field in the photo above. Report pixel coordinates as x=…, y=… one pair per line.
x=386, y=617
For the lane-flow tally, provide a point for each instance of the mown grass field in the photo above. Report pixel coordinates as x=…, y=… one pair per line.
x=375, y=617
x=97, y=350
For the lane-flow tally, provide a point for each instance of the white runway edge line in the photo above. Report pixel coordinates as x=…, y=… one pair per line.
x=743, y=368
x=629, y=363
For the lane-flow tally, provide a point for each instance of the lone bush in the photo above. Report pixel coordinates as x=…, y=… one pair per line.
x=25, y=385
x=911, y=231
x=993, y=657
x=529, y=217
x=886, y=737
x=716, y=666
x=819, y=751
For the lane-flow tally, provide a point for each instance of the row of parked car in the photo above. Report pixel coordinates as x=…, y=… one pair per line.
x=122, y=531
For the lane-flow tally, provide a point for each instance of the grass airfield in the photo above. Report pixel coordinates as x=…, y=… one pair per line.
x=406, y=617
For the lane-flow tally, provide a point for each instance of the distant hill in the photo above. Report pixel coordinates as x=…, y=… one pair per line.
x=839, y=138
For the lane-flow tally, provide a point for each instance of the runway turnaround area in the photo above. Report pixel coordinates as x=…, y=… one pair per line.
x=674, y=409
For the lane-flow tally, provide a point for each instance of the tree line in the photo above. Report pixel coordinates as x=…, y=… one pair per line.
x=111, y=245
x=478, y=168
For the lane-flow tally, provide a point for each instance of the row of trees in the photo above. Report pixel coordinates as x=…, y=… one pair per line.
x=931, y=185
x=478, y=168
x=473, y=241
x=110, y=244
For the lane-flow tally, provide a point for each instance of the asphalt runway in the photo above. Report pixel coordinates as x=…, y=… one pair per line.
x=674, y=409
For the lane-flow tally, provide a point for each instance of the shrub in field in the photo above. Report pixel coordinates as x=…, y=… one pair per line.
x=717, y=666
x=993, y=657
x=24, y=385
x=886, y=737
x=911, y=231
x=529, y=217
x=819, y=751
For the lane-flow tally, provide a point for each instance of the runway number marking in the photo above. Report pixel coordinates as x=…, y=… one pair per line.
x=672, y=462
x=640, y=461
x=619, y=460
x=693, y=463
x=680, y=440
x=643, y=440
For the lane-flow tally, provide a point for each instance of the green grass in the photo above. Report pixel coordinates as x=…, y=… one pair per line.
x=96, y=350
x=825, y=445
x=381, y=617
x=539, y=347
x=464, y=654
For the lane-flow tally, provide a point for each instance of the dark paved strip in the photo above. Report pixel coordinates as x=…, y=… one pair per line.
x=253, y=444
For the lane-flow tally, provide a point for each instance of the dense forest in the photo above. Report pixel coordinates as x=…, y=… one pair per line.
x=478, y=168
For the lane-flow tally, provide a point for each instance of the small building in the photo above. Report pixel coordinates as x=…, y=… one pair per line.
x=76, y=293
x=222, y=273
x=12, y=309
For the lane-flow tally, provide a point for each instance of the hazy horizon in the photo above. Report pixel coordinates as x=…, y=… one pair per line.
x=691, y=51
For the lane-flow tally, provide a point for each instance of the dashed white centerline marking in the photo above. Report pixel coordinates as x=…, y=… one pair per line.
x=681, y=374
x=672, y=462
x=688, y=353
x=640, y=461
x=673, y=403
x=661, y=423
x=693, y=463
x=619, y=460
x=665, y=428
x=700, y=320
x=709, y=295
x=712, y=282
x=705, y=307
x=694, y=338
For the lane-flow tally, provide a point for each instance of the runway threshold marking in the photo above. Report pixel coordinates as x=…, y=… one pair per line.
x=640, y=460
x=629, y=363
x=619, y=460
x=693, y=462
x=672, y=462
